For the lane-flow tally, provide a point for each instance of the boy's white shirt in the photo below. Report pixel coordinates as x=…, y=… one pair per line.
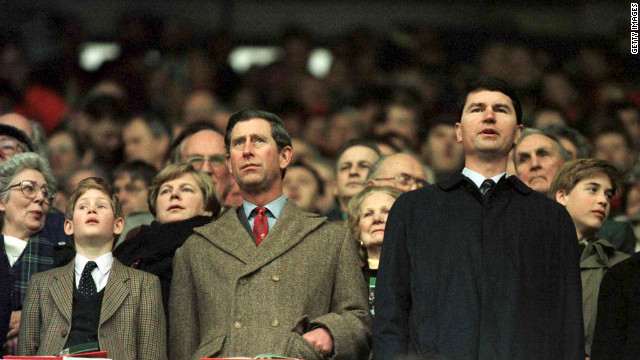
x=100, y=274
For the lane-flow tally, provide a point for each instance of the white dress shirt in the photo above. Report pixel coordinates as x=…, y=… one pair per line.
x=100, y=274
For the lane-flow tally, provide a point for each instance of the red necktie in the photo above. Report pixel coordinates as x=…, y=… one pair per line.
x=260, y=224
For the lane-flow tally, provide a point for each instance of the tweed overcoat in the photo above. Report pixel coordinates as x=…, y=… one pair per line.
x=230, y=297
x=132, y=323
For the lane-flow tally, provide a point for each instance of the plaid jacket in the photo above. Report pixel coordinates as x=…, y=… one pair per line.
x=36, y=257
x=132, y=324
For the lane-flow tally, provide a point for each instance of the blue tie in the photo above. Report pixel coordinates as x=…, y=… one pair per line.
x=87, y=287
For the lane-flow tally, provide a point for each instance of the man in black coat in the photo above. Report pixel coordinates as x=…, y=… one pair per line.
x=617, y=333
x=480, y=266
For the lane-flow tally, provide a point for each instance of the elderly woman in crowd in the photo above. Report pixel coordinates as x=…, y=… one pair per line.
x=367, y=218
x=27, y=188
x=181, y=198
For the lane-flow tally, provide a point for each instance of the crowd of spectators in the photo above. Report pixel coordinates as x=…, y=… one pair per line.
x=384, y=115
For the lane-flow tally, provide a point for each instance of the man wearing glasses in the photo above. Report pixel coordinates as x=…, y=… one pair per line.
x=13, y=141
x=202, y=146
x=402, y=171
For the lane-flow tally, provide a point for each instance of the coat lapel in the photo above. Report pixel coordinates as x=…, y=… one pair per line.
x=62, y=289
x=292, y=226
x=115, y=292
x=236, y=241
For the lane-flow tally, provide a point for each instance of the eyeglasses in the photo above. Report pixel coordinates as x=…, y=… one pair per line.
x=406, y=181
x=10, y=147
x=30, y=188
x=214, y=160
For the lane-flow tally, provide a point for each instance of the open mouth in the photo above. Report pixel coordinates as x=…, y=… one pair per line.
x=488, y=131
x=92, y=221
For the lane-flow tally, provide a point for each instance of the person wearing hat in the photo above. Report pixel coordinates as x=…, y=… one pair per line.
x=13, y=141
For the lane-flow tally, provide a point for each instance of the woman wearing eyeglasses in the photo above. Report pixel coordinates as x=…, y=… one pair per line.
x=27, y=188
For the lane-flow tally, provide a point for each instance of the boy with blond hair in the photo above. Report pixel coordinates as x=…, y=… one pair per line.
x=585, y=187
x=94, y=300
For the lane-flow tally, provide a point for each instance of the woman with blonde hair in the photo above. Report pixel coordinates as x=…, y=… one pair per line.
x=367, y=218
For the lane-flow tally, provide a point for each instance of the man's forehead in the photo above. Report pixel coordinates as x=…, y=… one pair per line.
x=94, y=194
x=401, y=163
x=206, y=142
x=483, y=96
x=358, y=153
x=255, y=126
x=7, y=137
x=537, y=141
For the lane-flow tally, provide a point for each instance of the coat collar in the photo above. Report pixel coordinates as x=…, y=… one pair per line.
x=115, y=291
x=292, y=226
x=457, y=179
x=599, y=254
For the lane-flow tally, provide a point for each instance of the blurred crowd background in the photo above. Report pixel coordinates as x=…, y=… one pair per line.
x=334, y=71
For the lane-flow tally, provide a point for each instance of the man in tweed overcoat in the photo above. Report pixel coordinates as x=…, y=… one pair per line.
x=296, y=292
x=123, y=313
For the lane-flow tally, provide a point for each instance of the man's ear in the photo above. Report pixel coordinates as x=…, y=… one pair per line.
x=68, y=227
x=458, y=132
x=334, y=187
x=519, y=131
x=118, y=226
x=285, y=156
x=561, y=197
x=2, y=207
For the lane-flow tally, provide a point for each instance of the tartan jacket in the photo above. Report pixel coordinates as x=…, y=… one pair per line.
x=132, y=323
x=36, y=257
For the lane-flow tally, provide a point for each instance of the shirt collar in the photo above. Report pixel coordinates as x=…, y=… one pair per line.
x=104, y=263
x=275, y=207
x=477, y=178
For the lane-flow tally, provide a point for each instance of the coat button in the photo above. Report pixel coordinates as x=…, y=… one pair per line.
x=242, y=282
x=275, y=323
x=275, y=278
x=63, y=333
x=237, y=325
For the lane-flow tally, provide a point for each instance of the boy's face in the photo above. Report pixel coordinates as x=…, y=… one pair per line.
x=93, y=218
x=588, y=203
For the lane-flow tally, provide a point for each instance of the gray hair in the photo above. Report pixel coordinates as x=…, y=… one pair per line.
x=531, y=131
x=18, y=162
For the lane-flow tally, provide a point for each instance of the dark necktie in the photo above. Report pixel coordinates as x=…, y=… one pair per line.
x=87, y=286
x=486, y=186
x=260, y=224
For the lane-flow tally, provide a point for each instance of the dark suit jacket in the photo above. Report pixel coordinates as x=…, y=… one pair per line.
x=617, y=333
x=230, y=297
x=132, y=323
x=467, y=278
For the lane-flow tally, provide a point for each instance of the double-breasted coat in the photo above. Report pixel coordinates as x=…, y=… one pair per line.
x=132, y=322
x=230, y=297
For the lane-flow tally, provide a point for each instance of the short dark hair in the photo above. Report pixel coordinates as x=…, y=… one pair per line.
x=612, y=126
x=105, y=106
x=158, y=126
x=278, y=131
x=574, y=136
x=357, y=142
x=491, y=83
x=137, y=170
x=314, y=173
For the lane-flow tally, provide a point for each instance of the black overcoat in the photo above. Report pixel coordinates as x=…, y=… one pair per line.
x=464, y=277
